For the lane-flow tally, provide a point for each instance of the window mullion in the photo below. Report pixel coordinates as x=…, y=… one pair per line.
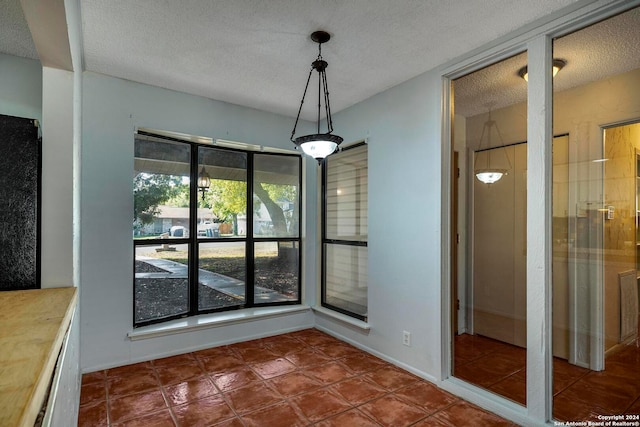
x=323, y=234
x=249, y=247
x=193, y=234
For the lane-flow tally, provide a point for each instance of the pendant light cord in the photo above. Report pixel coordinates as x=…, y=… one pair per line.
x=301, y=103
x=320, y=66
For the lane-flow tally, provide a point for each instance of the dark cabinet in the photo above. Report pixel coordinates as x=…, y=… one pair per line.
x=20, y=166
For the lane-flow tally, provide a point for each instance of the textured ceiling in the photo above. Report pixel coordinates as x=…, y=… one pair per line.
x=604, y=49
x=15, y=38
x=257, y=53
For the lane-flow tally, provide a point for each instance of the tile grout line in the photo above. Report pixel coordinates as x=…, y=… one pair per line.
x=164, y=394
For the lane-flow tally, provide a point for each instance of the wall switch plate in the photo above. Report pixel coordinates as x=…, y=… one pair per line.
x=406, y=338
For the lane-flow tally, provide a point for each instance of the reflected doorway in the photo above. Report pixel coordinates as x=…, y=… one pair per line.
x=489, y=347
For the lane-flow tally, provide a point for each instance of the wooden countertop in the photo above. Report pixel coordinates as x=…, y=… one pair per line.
x=33, y=324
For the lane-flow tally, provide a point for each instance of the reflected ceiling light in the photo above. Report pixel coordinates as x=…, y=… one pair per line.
x=490, y=174
x=318, y=145
x=204, y=181
x=558, y=64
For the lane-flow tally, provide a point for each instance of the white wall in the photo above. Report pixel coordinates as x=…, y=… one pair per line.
x=402, y=126
x=21, y=88
x=57, y=178
x=112, y=110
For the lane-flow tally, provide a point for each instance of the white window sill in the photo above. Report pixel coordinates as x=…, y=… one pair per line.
x=213, y=320
x=342, y=317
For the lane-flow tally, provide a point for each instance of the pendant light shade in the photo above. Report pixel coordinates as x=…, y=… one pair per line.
x=318, y=145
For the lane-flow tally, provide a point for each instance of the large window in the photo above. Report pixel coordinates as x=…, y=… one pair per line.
x=344, y=232
x=232, y=244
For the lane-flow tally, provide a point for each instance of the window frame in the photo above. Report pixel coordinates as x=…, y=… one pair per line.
x=326, y=241
x=193, y=241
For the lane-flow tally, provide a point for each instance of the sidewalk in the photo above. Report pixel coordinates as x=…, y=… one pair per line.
x=227, y=285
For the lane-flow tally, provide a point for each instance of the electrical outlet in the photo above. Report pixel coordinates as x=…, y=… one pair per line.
x=406, y=338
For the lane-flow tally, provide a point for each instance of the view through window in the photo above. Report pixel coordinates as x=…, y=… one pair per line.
x=233, y=242
x=344, y=232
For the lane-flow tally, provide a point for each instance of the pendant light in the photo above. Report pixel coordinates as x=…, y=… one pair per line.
x=318, y=145
x=490, y=173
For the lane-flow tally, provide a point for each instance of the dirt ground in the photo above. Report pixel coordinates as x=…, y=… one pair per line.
x=158, y=298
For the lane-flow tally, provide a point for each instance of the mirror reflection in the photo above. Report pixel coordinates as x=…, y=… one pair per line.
x=595, y=224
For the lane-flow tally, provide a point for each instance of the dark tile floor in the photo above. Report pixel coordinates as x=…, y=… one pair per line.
x=579, y=394
x=297, y=379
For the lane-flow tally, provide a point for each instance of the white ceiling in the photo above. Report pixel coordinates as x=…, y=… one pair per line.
x=257, y=53
x=15, y=38
x=607, y=48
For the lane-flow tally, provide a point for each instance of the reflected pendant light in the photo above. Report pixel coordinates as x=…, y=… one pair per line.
x=318, y=145
x=204, y=181
x=490, y=174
